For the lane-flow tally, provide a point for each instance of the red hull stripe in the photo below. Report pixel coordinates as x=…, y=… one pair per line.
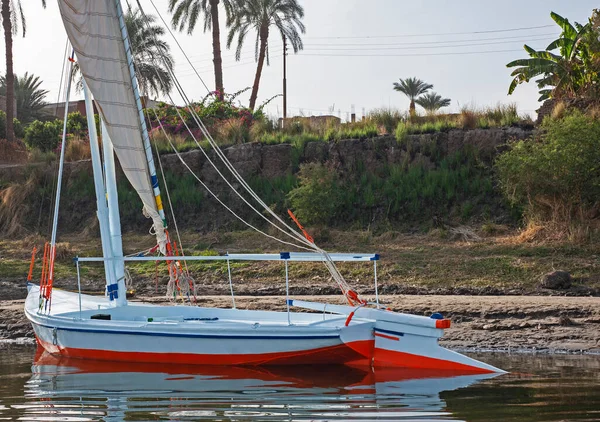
x=354, y=352
x=386, y=358
x=386, y=336
x=324, y=355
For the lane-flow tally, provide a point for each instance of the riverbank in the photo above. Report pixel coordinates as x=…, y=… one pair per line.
x=410, y=264
x=541, y=324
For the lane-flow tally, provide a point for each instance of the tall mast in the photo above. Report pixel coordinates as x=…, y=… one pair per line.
x=114, y=221
x=59, y=182
x=142, y=119
x=109, y=269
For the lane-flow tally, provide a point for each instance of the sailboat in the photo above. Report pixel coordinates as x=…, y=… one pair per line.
x=109, y=328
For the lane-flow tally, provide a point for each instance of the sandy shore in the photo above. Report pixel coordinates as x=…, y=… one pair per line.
x=552, y=324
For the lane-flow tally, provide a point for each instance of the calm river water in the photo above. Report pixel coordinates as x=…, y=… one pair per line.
x=38, y=387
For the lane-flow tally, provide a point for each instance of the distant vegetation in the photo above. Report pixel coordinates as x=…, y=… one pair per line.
x=13, y=22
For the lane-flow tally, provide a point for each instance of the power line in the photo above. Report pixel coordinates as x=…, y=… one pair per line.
x=440, y=33
x=420, y=47
x=275, y=50
x=517, y=37
x=209, y=68
x=411, y=55
x=520, y=38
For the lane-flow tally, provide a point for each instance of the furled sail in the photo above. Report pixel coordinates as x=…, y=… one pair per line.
x=95, y=34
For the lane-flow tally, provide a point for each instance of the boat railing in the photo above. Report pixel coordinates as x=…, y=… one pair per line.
x=282, y=256
x=285, y=257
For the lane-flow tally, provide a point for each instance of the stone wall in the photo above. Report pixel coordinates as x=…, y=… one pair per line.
x=268, y=162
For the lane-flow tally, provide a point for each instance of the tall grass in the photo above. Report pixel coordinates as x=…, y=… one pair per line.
x=181, y=143
x=387, y=118
x=394, y=193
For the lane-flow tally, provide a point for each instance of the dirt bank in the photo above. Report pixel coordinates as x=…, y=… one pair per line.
x=509, y=323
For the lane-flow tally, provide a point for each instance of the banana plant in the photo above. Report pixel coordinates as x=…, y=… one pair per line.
x=562, y=73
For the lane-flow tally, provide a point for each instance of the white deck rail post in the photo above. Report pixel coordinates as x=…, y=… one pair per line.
x=78, y=284
x=286, y=256
x=375, y=258
x=376, y=288
x=230, y=284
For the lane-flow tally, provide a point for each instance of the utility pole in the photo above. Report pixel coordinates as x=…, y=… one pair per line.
x=284, y=79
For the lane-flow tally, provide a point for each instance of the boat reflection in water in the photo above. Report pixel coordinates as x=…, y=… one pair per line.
x=72, y=389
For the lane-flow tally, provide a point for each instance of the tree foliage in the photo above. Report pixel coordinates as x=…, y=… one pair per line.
x=259, y=16
x=432, y=102
x=187, y=12
x=412, y=88
x=12, y=17
x=30, y=98
x=563, y=68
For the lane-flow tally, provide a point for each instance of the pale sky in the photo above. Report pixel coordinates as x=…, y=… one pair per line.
x=354, y=51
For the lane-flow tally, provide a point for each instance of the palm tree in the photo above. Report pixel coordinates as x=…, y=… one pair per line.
x=151, y=55
x=260, y=15
x=29, y=96
x=561, y=74
x=432, y=102
x=186, y=12
x=12, y=16
x=412, y=88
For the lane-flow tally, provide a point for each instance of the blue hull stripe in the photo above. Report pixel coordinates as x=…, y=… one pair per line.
x=396, y=333
x=155, y=334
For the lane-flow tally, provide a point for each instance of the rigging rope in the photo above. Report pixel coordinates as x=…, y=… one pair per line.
x=219, y=151
x=351, y=295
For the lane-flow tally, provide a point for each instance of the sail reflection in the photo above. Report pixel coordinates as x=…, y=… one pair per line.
x=76, y=390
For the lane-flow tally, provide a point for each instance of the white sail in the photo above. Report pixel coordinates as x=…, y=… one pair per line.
x=94, y=32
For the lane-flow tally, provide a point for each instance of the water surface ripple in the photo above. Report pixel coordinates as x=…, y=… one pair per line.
x=40, y=387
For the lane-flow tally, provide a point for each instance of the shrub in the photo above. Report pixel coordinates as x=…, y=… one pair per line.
x=18, y=127
x=43, y=135
x=317, y=198
x=76, y=124
x=557, y=178
x=401, y=132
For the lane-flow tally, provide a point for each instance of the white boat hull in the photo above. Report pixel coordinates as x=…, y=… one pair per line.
x=210, y=336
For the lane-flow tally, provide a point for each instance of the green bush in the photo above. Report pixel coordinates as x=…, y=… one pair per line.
x=43, y=135
x=401, y=132
x=18, y=127
x=557, y=177
x=76, y=124
x=317, y=198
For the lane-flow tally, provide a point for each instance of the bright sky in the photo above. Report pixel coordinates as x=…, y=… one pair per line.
x=354, y=51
